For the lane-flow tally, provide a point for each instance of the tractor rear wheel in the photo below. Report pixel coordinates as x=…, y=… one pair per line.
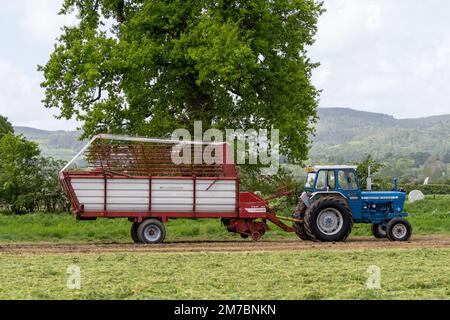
x=301, y=232
x=133, y=232
x=151, y=231
x=328, y=219
x=378, y=231
x=299, y=212
x=399, y=229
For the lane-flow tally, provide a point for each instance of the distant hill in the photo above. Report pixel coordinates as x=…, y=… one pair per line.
x=58, y=144
x=343, y=134
x=347, y=134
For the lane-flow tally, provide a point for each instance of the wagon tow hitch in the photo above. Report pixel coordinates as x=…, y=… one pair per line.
x=288, y=219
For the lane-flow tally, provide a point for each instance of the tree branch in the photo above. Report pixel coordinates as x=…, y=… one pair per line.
x=120, y=11
x=99, y=95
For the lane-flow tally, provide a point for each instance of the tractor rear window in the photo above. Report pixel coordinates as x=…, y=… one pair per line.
x=347, y=180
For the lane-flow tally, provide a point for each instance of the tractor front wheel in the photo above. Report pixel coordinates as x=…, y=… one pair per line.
x=328, y=219
x=398, y=229
x=378, y=231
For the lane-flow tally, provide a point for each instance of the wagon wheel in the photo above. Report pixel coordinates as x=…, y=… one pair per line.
x=133, y=232
x=151, y=231
x=256, y=235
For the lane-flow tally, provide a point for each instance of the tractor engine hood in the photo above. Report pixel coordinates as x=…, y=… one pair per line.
x=397, y=198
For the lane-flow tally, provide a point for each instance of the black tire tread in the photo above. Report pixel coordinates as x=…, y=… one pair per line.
x=148, y=221
x=375, y=232
x=300, y=211
x=396, y=220
x=133, y=232
x=339, y=201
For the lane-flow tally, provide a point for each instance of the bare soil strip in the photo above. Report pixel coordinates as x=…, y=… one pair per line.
x=224, y=246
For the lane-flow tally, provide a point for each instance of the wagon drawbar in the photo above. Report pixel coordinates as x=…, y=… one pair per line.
x=136, y=178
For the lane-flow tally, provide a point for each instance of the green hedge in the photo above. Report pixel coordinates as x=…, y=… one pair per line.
x=428, y=189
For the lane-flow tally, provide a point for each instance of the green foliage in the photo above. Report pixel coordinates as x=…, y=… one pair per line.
x=446, y=158
x=18, y=164
x=163, y=65
x=27, y=180
x=5, y=126
x=419, y=157
x=252, y=180
x=363, y=168
x=428, y=189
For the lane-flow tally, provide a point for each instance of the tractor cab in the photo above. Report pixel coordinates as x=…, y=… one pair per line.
x=332, y=201
x=339, y=180
x=332, y=178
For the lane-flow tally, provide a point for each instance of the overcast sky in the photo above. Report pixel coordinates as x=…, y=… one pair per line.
x=376, y=55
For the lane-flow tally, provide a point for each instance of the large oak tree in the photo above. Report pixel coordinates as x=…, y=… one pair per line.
x=148, y=67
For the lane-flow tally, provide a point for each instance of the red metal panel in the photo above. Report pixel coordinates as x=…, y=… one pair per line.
x=194, y=190
x=105, y=213
x=113, y=160
x=150, y=194
x=157, y=214
x=105, y=193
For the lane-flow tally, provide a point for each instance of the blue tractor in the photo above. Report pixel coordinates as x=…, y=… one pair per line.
x=332, y=201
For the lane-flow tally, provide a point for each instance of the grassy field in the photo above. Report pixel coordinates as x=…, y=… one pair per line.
x=310, y=274
x=431, y=216
x=329, y=274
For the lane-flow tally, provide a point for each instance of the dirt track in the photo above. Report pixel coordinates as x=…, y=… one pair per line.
x=224, y=246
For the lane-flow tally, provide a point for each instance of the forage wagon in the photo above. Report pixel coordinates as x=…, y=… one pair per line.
x=136, y=178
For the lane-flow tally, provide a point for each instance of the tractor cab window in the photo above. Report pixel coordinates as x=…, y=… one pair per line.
x=331, y=180
x=326, y=180
x=347, y=180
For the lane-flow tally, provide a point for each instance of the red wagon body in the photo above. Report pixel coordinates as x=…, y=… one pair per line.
x=138, y=179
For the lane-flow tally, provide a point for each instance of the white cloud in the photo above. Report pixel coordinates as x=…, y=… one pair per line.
x=384, y=56
x=20, y=100
x=41, y=22
x=374, y=17
x=376, y=55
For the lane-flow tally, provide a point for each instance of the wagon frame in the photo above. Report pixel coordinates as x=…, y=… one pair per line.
x=126, y=161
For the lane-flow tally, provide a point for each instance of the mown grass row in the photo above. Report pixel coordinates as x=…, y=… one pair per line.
x=330, y=274
x=431, y=216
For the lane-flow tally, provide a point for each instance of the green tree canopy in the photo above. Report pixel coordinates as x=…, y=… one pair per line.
x=363, y=168
x=148, y=67
x=18, y=167
x=28, y=181
x=5, y=126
